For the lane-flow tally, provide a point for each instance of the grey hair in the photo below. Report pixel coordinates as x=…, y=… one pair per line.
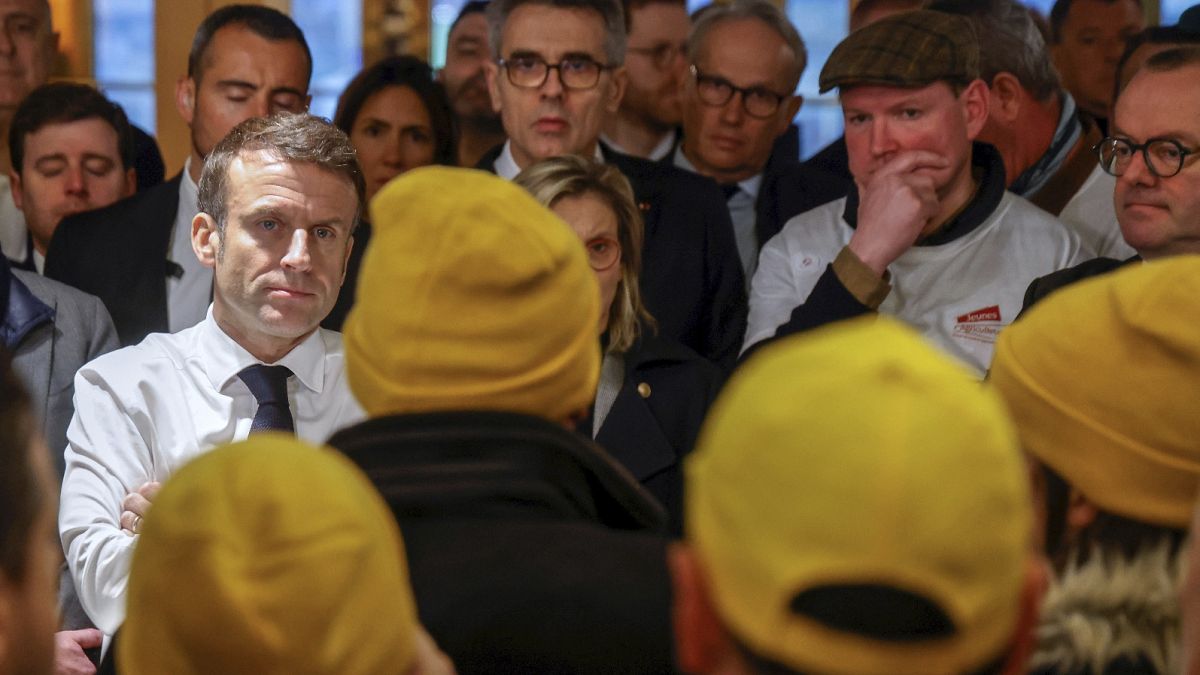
x=610, y=11
x=1009, y=42
x=300, y=138
x=707, y=18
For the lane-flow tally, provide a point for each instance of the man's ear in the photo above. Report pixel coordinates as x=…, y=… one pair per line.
x=1005, y=98
x=791, y=106
x=14, y=185
x=616, y=90
x=206, y=240
x=185, y=98
x=130, y=182
x=975, y=107
x=1081, y=512
x=492, y=71
x=701, y=642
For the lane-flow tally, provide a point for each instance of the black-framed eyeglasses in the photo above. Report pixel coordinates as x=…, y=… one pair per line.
x=1164, y=157
x=716, y=91
x=602, y=252
x=530, y=72
x=661, y=55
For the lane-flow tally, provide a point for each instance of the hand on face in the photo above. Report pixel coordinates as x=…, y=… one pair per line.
x=897, y=203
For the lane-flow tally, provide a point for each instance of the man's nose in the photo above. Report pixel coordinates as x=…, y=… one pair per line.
x=298, y=256
x=75, y=184
x=882, y=141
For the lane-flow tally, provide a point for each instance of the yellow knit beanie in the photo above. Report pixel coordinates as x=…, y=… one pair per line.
x=269, y=556
x=472, y=296
x=1103, y=380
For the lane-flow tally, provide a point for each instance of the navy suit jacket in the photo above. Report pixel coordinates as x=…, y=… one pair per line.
x=691, y=277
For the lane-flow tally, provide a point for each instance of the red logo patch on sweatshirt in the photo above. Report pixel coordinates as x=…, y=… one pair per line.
x=981, y=325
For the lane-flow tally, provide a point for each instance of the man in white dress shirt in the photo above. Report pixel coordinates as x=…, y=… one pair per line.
x=279, y=199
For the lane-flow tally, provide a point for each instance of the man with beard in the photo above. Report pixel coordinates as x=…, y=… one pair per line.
x=479, y=126
x=655, y=60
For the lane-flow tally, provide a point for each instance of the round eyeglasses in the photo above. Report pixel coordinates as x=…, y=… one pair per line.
x=1164, y=157
x=602, y=252
x=530, y=72
x=716, y=91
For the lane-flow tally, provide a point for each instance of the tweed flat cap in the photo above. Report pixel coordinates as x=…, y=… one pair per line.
x=912, y=49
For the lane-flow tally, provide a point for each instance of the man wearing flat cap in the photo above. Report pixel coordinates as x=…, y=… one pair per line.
x=928, y=233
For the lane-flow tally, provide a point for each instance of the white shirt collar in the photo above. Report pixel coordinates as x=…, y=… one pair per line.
x=189, y=192
x=224, y=358
x=750, y=185
x=506, y=165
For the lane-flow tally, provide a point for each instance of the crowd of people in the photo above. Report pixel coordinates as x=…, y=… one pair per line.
x=559, y=360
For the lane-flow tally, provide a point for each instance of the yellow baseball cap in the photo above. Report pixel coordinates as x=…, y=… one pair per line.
x=268, y=556
x=1102, y=379
x=857, y=456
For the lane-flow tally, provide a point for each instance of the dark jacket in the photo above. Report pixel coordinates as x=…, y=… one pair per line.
x=834, y=159
x=691, y=279
x=119, y=254
x=789, y=189
x=529, y=549
x=656, y=417
x=1043, y=286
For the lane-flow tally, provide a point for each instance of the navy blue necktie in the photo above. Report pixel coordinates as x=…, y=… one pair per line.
x=269, y=386
x=730, y=189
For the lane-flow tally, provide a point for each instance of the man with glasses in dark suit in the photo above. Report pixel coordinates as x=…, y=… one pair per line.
x=557, y=75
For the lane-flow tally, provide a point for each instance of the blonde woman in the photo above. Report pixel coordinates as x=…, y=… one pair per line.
x=653, y=392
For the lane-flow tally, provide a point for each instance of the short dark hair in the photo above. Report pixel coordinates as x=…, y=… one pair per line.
x=1108, y=534
x=468, y=8
x=21, y=496
x=1009, y=41
x=610, y=12
x=290, y=137
x=1060, y=10
x=62, y=102
x=411, y=72
x=264, y=22
x=1153, y=35
x=629, y=5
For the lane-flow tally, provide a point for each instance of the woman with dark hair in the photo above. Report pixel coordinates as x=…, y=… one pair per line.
x=653, y=392
x=398, y=118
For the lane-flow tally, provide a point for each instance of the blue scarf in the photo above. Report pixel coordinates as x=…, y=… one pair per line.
x=1065, y=136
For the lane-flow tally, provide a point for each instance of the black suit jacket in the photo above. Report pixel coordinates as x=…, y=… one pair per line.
x=1043, y=286
x=656, y=417
x=788, y=189
x=691, y=278
x=119, y=254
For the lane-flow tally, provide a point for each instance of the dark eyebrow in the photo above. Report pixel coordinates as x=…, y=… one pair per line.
x=56, y=157
x=287, y=90
x=236, y=84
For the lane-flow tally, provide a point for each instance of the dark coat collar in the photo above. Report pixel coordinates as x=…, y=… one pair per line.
x=495, y=464
x=22, y=311
x=985, y=158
